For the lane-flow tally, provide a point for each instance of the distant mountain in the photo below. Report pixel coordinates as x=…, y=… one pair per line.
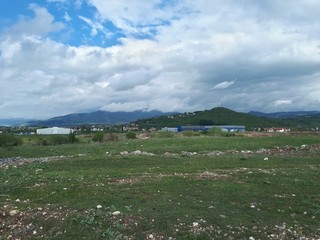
x=305, y=120
x=285, y=114
x=98, y=117
x=13, y=121
x=215, y=116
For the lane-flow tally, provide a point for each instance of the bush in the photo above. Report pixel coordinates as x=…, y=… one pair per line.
x=73, y=138
x=58, y=139
x=9, y=140
x=42, y=141
x=98, y=137
x=131, y=135
x=163, y=134
x=53, y=140
x=191, y=134
x=215, y=131
x=111, y=137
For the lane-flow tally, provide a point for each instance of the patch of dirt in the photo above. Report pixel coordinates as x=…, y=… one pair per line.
x=18, y=161
x=212, y=175
x=28, y=223
x=125, y=181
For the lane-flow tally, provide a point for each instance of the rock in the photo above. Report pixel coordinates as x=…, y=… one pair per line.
x=148, y=154
x=195, y=224
x=168, y=154
x=214, y=153
x=186, y=154
x=137, y=152
x=14, y=212
x=124, y=153
x=150, y=236
x=115, y=213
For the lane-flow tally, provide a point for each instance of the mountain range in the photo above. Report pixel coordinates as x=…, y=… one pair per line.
x=285, y=115
x=98, y=117
x=216, y=116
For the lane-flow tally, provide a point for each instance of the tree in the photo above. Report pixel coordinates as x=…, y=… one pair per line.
x=205, y=122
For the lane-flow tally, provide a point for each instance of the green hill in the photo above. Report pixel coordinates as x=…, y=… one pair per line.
x=215, y=116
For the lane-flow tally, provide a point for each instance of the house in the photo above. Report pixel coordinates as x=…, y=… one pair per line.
x=278, y=129
x=54, y=130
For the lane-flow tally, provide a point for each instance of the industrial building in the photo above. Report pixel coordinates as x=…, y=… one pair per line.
x=225, y=128
x=54, y=130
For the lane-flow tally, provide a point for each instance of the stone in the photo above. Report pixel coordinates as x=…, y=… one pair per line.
x=14, y=212
x=115, y=213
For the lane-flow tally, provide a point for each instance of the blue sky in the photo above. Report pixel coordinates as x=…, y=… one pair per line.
x=64, y=56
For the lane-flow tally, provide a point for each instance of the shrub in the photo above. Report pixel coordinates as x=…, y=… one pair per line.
x=42, y=141
x=58, y=139
x=9, y=140
x=73, y=138
x=131, y=135
x=215, y=131
x=191, y=134
x=111, y=137
x=163, y=134
x=53, y=140
x=98, y=137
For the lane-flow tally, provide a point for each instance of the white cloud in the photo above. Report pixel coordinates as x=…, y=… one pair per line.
x=195, y=44
x=134, y=17
x=67, y=17
x=42, y=24
x=96, y=27
x=282, y=102
x=224, y=85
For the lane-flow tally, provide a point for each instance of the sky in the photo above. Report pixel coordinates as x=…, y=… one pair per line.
x=66, y=56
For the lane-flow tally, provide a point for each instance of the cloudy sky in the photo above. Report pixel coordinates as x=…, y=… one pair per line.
x=64, y=56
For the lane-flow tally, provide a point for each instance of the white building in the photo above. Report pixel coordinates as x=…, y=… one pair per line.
x=53, y=130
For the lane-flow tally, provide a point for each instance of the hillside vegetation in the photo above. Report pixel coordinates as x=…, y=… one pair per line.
x=215, y=116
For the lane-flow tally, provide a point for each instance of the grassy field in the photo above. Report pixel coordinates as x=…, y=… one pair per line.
x=204, y=187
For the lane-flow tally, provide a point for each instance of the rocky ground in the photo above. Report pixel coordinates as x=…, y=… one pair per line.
x=284, y=150
x=20, y=223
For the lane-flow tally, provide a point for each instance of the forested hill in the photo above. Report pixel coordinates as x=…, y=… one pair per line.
x=215, y=116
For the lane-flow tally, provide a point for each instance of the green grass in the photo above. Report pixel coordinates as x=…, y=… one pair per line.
x=222, y=197
x=161, y=145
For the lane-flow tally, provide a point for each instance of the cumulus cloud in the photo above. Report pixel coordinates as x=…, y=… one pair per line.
x=138, y=17
x=171, y=57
